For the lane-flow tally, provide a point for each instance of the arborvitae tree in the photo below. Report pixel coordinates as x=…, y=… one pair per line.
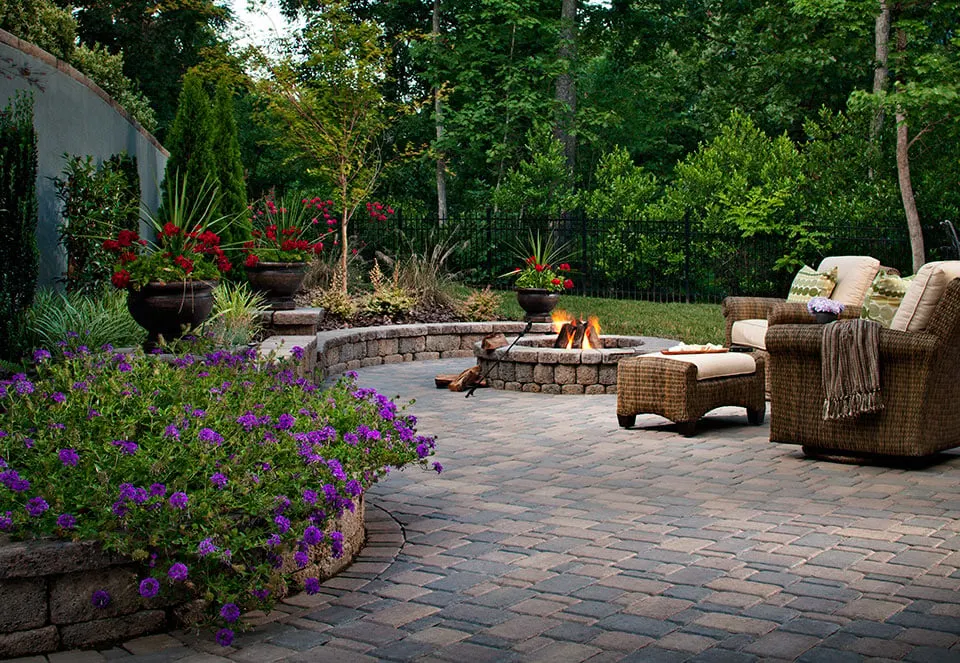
x=229, y=167
x=190, y=140
x=19, y=258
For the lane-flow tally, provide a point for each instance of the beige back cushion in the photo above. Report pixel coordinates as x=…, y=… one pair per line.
x=854, y=276
x=923, y=295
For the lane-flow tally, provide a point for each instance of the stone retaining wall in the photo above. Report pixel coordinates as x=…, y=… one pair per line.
x=348, y=349
x=46, y=588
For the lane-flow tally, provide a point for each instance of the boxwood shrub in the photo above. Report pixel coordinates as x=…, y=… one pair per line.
x=210, y=469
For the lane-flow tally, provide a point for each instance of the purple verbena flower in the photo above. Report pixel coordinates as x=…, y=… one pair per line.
x=69, y=457
x=210, y=435
x=178, y=572
x=309, y=497
x=66, y=521
x=312, y=535
x=219, y=480
x=224, y=637
x=336, y=544
x=149, y=587
x=230, y=612
x=282, y=523
x=301, y=558
x=353, y=488
x=311, y=585
x=179, y=500
x=36, y=506
x=58, y=397
x=206, y=547
x=100, y=599
x=337, y=469
x=438, y=467
x=126, y=446
x=158, y=490
x=285, y=421
x=6, y=521
x=40, y=354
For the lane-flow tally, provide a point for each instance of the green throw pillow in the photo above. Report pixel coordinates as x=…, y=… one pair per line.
x=884, y=297
x=809, y=283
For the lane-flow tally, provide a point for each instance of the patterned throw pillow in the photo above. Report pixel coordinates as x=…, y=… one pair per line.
x=884, y=297
x=809, y=283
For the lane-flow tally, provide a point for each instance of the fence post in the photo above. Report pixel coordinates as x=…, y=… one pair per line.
x=686, y=255
x=489, y=243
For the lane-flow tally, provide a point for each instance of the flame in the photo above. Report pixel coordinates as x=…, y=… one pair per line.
x=594, y=322
x=560, y=318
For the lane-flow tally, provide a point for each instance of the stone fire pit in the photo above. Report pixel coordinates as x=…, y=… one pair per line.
x=534, y=365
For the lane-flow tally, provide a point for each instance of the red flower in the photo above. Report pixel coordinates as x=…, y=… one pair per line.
x=170, y=230
x=127, y=256
x=209, y=238
x=185, y=263
x=248, y=245
x=120, y=279
x=252, y=260
x=223, y=264
x=564, y=267
x=538, y=267
x=318, y=247
x=288, y=245
x=127, y=237
x=568, y=284
x=111, y=245
x=555, y=281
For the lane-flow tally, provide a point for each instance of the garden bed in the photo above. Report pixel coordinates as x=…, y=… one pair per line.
x=47, y=587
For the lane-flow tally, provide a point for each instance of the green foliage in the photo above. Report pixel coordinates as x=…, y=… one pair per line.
x=426, y=271
x=89, y=319
x=539, y=186
x=98, y=202
x=106, y=70
x=333, y=109
x=621, y=190
x=190, y=142
x=480, y=305
x=226, y=491
x=19, y=257
x=236, y=314
x=388, y=296
x=229, y=168
x=43, y=23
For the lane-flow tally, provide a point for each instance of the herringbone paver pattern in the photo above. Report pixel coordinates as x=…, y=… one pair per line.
x=553, y=535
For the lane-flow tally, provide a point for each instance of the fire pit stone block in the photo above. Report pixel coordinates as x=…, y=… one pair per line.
x=608, y=374
x=524, y=374
x=550, y=389
x=542, y=373
x=548, y=356
x=565, y=357
x=565, y=374
x=594, y=389
x=523, y=355
x=511, y=386
x=587, y=374
x=531, y=387
x=590, y=357
x=508, y=372
x=571, y=389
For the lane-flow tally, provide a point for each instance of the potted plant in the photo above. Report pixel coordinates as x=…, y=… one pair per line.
x=544, y=275
x=824, y=310
x=170, y=282
x=283, y=241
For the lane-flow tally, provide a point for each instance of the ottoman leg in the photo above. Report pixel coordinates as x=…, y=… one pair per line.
x=626, y=420
x=687, y=428
x=755, y=417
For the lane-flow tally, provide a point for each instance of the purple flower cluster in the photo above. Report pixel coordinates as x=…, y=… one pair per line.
x=219, y=480
x=178, y=572
x=68, y=457
x=149, y=587
x=126, y=446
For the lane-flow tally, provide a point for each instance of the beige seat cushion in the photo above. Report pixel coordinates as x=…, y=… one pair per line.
x=715, y=365
x=855, y=274
x=749, y=332
x=923, y=295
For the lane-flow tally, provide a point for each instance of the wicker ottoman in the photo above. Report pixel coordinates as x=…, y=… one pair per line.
x=683, y=388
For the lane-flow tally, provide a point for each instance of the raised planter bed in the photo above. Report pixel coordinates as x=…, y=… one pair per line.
x=46, y=588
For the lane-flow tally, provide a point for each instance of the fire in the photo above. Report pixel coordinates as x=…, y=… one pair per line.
x=570, y=329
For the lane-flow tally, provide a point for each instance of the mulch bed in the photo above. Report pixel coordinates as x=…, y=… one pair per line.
x=417, y=316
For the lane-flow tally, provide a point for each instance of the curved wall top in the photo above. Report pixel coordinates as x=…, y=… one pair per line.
x=73, y=116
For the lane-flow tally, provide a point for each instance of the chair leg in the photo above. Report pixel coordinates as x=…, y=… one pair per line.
x=626, y=420
x=687, y=428
x=755, y=417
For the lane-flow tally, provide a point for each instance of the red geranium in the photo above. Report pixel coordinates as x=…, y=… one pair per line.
x=120, y=279
x=251, y=260
x=568, y=284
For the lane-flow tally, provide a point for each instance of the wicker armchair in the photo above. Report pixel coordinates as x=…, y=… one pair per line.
x=919, y=386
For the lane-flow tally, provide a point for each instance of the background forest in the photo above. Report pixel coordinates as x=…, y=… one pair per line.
x=778, y=120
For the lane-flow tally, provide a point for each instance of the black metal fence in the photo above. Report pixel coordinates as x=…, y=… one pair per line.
x=659, y=260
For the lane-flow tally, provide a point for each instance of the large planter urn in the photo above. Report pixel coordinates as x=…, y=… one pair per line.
x=278, y=282
x=537, y=303
x=170, y=309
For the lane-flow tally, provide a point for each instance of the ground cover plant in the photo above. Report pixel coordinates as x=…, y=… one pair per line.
x=211, y=470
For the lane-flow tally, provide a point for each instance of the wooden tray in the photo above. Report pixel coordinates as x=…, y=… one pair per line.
x=694, y=352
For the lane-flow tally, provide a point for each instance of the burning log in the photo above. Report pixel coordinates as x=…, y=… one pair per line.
x=573, y=334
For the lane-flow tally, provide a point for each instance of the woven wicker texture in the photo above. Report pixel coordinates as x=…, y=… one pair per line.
x=919, y=384
x=746, y=308
x=670, y=388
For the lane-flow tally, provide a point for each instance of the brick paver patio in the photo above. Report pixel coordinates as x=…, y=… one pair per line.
x=553, y=535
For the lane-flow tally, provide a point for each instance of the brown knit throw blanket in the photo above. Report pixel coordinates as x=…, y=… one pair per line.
x=851, y=368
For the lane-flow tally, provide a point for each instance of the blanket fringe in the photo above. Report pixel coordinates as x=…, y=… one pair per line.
x=852, y=405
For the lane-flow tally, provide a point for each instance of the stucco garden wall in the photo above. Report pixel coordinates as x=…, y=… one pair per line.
x=73, y=116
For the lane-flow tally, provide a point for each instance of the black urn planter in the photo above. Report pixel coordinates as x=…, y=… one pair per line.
x=537, y=303
x=278, y=282
x=823, y=318
x=170, y=309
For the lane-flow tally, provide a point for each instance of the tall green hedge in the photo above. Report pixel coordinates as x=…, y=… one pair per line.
x=19, y=257
x=190, y=140
x=226, y=154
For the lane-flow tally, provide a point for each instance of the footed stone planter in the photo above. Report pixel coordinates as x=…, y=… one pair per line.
x=46, y=587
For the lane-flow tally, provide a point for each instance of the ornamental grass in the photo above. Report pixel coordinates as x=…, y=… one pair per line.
x=209, y=470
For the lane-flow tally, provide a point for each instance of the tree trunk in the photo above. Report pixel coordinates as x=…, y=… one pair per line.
x=438, y=111
x=903, y=175
x=566, y=90
x=906, y=192
x=343, y=244
x=881, y=70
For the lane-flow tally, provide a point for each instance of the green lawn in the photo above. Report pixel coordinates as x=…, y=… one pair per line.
x=691, y=323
